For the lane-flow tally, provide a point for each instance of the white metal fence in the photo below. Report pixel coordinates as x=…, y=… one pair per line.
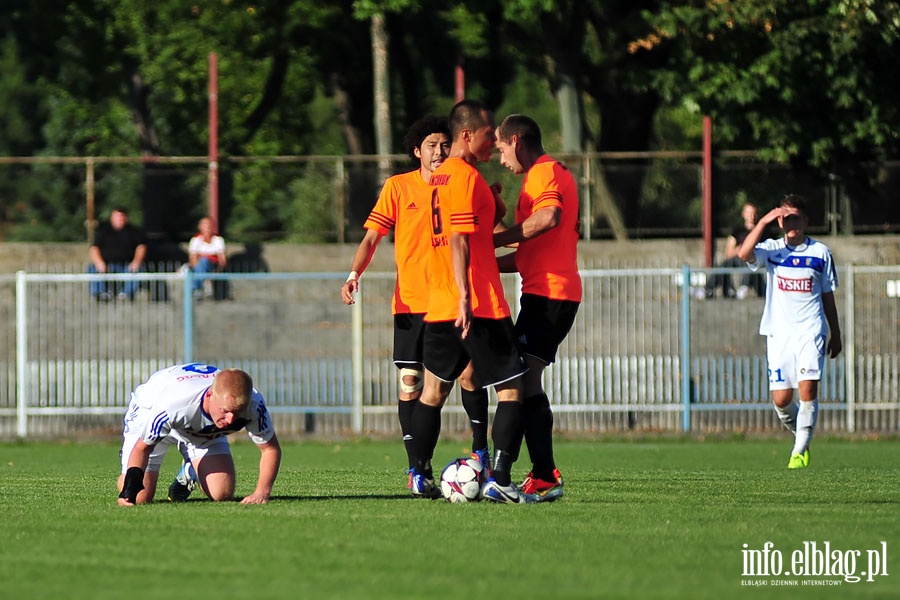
x=644, y=354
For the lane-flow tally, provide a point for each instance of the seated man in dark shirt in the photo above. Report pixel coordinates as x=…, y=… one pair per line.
x=749, y=281
x=118, y=247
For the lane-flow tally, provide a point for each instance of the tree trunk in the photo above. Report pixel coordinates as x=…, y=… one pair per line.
x=382, y=95
x=572, y=125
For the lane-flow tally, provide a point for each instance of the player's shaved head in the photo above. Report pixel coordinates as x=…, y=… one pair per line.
x=232, y=388
x=468, y=114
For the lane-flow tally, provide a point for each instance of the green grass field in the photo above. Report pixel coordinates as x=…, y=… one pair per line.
x=640, y=519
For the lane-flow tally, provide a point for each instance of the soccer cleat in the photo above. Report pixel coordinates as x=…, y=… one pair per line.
x=185, y=482
x=409, y=473
x=502, y=494
x=539, y=490
x=799, y=461
x=484, y=457
x=423, y=487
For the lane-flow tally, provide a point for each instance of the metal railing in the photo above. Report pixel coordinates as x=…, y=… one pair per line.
x=646, y=353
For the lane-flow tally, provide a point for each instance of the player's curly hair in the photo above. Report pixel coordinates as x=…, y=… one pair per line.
x=421, y=129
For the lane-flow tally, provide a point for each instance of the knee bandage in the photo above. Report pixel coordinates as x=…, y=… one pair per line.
x=409, y=389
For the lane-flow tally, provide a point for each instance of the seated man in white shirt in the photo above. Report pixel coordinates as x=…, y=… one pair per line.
x=206, y=254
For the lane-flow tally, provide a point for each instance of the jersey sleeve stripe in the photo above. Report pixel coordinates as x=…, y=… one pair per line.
x=159, y=421
x=381, y=220
x=464, y=219
x=549, y=197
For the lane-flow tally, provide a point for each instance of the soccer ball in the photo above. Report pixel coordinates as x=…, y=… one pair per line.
x=461, y=480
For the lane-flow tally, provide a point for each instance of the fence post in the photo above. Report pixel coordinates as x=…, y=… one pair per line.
x=587, y=220
x=21, y=357
x=686, y=347
x=356, y=336
x=849, y=339
x=188, y=333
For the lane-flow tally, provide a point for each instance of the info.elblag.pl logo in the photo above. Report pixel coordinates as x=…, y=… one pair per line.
x=813, y=560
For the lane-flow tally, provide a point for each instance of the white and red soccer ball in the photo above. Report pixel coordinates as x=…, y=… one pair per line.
x=461, y=480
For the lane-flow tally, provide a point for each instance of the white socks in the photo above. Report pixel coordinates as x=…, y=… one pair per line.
x=807, y=415
x=788, y=416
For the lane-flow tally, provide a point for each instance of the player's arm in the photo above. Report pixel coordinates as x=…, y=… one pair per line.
x=269, y=462
x=538, y=223
x=133, y=482
x=746, y=253
x=835, y=344
x=459, y=250
x=364, y=253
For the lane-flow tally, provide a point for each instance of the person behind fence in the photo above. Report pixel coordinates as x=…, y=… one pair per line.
x=750, y=281
x=119, y=247
x=194, y=407
x=206, y=254
x=546, y=232
x=404, y=205
x=798, y=315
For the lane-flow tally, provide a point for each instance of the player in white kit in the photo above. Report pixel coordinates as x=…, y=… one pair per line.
x=195, y=406
x=798, y=314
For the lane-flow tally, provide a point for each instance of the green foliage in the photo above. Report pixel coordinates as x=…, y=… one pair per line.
x=806, y=82
x=312, y=208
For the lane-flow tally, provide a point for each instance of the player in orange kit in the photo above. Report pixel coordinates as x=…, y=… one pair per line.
x=404, y=205
x=468, y=319
x=546, y=232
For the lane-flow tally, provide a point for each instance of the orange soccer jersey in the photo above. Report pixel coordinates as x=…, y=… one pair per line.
x=549, y=264
x=405, y=206
x=462, y=202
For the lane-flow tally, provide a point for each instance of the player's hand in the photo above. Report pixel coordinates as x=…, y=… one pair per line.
x=773, y=215
x=464, y=320
x=348, y=289
x=256, y=498
x=834, y=347
x=125, y=502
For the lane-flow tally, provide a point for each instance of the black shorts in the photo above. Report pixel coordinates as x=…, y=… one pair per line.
x=409, y=332
x=542, y=325
x=490, y=346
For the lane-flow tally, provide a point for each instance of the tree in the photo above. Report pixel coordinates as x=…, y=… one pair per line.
x=803, y=81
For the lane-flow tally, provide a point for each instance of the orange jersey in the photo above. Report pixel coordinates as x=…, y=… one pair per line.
x=405, y=206
x=548, y=263
x=462, y=202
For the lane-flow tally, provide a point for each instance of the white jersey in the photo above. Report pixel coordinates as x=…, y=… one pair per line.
x=174, y=398
x=214, y=247
x=796, y=278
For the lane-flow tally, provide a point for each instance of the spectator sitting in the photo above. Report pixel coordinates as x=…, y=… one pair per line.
x=749, y=280
x=206, y=254
x=118, y=247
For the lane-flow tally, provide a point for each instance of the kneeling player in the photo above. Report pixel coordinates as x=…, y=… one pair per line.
x=195, y=406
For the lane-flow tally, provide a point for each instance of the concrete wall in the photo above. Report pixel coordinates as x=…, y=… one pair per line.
x=862, y=250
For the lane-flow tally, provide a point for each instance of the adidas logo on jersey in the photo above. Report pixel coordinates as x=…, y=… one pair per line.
x=412, y=206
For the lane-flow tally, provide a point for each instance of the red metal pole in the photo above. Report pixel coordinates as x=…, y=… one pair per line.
x=213, y=171
x=460, y=79
x=707, y=190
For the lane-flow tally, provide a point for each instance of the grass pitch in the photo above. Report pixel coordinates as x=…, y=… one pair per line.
x=640, y=519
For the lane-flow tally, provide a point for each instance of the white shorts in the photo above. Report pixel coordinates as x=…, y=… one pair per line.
x=135, y=421
x=793, y=359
